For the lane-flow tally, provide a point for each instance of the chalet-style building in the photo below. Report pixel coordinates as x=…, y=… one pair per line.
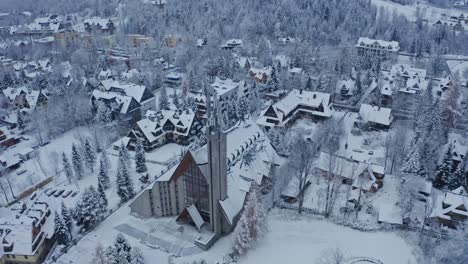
x=6, y=139
x=166, y=126
x=26, y=232
x=374, y=117
x=99, y=25
x=377, y=48
x=260, y=75
x=231, y=44
x=296, y=104
x=23, y=98
x=364, y=176
x=209, y=186
x=129, y=100
x=346, y=87
x=451, y=208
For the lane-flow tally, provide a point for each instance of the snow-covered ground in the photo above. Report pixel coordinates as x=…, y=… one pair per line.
x=293, y=239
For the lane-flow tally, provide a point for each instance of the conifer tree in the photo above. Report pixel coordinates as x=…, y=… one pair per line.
x=90, y=155
x=67, y=167
x=124, y=155
x=176, y=100
x=103, y=203
x=140, y=159
x=163, y=99
x=124, y=183
x=103, y=176
x=252, y=224
x=122, y=250
x=77, y=162
x=309, y=85
x=443, y=176
x=87, y=211
x=61, y=231
x=67, y=218
x=106, y=161
x=137, y=256
x=273, y=82
x=20, y=120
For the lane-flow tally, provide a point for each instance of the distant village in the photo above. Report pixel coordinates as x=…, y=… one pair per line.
x=172, y=158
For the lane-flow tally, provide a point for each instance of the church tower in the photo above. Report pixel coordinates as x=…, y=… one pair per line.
x=217, y=157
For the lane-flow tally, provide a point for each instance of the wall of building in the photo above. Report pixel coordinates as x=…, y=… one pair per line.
x=142, y=205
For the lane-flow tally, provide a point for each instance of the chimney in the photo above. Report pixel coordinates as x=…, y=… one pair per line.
x=315, y=95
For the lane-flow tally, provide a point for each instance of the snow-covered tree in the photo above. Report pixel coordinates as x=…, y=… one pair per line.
x=252, y=224
x=273, y=83
x=412, y=164
x=90, y=155
x=163, y=99
x=124, y=183
x=20, y=120
x=102, y=199
x=87, y=210
x=443, y=177
x=103, y=176
x=137, y=256
x=124, y=155
x=67, y=218
x=123, y=250
x=77, y=162
x=175, y=99
x=140, y=159
x=67, y=167
x=61, y=231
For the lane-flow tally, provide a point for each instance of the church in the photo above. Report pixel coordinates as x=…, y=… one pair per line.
x=209, y=186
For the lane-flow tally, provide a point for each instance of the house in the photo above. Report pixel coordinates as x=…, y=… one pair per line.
x=159, y=128
x=26, y=232
x=99, y=25
x=346, y=87
x=364, y=176
x=9, y=162
x=296, y=104
x=174, y=78
x=6, y=139
x=287, y=40
x=232, y=43
x=450, y=209
x=127, y=99
x=209, y=186
x=371, y=116
x=459, y=152
x=260, y=75
x=377, y=48
x=228, y=89
x=24, y=98
x=443, y=86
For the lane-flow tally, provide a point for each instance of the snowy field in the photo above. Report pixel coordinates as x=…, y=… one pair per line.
x=293, y=239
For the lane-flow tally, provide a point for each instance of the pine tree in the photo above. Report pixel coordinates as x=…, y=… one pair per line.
x=140, y=159
x=67, y=167
x=103, y=203
x=106, y=161
x=124, y=183
x=67, y=218
x=252, y=224
x=243, y=108
x=457, y=178
x=176, y=100
x=412, y=164
x=163, y=99
x=309, y=85
x=137, y=256
x=122, y=250
x=20, y=120
x=90, y=155
x=87, y=211
x=103, y=176
x=124, y=155
x=443, y=178
x=62, y=233
x=77, y=162
x=273, y=82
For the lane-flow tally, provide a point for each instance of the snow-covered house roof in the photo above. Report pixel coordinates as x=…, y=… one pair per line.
x=375, y=114
x=25, y=227
x=226, y=86
x=392, y=46
x=153, y=126
x=362, y=173
x=232, y=43
x=261, y=74
x=296, y=101
x=102, y=23
x=32, y=97
x=451, y=205
x=390, y=214
x=135, y=91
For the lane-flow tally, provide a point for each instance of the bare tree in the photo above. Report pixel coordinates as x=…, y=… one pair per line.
x=332, y=256
x=301, y=162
